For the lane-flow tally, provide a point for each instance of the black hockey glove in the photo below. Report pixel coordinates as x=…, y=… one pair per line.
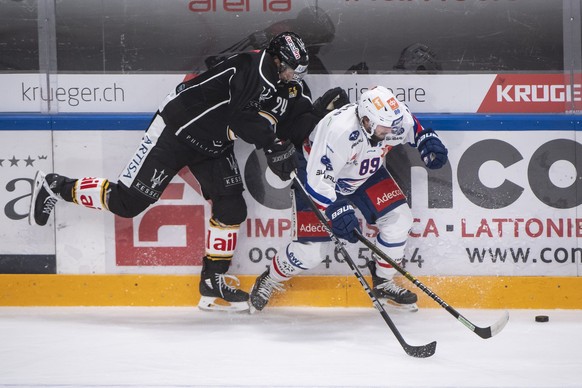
x=281, y=159
x=332, y=99
x=432, y=151
x=343, y=220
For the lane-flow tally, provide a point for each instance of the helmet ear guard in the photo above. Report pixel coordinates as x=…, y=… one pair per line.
x=381, y=107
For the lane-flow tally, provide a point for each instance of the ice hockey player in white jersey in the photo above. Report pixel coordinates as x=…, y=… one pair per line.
x=342, y=166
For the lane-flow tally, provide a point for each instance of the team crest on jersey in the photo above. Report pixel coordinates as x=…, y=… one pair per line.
x=293, y=91
x=354, y=135
x=327, y=163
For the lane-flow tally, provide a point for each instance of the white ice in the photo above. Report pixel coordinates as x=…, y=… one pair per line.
x=282, y=347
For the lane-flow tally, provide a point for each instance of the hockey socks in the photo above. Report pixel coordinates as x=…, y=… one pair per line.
x=91, y=192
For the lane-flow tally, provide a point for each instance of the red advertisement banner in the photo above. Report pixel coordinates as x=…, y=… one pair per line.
x=533, y=93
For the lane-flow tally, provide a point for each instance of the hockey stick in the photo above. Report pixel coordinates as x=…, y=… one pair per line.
x=483, y=332
x=422, y=351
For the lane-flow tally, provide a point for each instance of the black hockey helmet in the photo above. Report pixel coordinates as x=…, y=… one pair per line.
x=418, y=57
x=291, y=51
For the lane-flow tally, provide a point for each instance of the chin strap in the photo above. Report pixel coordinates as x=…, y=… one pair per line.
x=369, y=134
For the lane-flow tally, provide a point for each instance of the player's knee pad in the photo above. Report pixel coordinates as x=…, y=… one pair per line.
x=395, y=225
x=393, y=231
x=124, y=204
x=229, y=209
x=297, y=257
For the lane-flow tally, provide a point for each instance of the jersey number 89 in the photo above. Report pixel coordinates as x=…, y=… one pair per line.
x=370, y=166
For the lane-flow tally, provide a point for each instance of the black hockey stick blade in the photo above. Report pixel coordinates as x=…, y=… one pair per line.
x=488, y=332
x=483, y=332
x=422, y=351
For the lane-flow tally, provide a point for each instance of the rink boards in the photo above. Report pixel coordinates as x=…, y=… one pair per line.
x=497, y=227
x=489, y=292
x=498, y=223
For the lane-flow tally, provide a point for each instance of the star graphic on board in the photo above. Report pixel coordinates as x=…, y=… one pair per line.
x=13, y=161
x=29, y=161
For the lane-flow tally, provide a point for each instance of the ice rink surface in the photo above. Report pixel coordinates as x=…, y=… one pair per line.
x=282, y=347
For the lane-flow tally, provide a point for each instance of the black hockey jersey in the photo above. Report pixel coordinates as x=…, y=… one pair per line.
x=291, y=112
x=222, y=103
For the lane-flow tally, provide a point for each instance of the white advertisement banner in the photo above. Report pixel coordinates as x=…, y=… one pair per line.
x=426, y=93
x=21, y=154
x=503, y=206
x=422, y=93
x=85, y=93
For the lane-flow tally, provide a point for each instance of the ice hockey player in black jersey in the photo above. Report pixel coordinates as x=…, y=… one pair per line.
x=195, y=126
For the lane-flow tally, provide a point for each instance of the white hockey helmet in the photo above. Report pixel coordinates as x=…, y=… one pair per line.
x=381, y=107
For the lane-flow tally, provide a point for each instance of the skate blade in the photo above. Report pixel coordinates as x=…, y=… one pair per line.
x=253, y=309
x=393, y=306
x=37, y=185
x=210, y=303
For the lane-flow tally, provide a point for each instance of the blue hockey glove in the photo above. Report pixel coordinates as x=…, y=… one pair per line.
x=343, y=220
x=432, y=151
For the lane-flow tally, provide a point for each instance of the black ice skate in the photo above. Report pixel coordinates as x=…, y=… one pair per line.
x=215, y=293
x=391, y=294
x=45, y=194
x=262, y=291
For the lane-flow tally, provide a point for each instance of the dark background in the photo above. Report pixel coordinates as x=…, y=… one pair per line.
x=121, y=36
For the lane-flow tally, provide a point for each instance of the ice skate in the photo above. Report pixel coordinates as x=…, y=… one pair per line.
x=391, y=294
x=45, y=194
x=216, y=294
x=262, y=291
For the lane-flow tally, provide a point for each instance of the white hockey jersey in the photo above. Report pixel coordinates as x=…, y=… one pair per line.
x=340, y=157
